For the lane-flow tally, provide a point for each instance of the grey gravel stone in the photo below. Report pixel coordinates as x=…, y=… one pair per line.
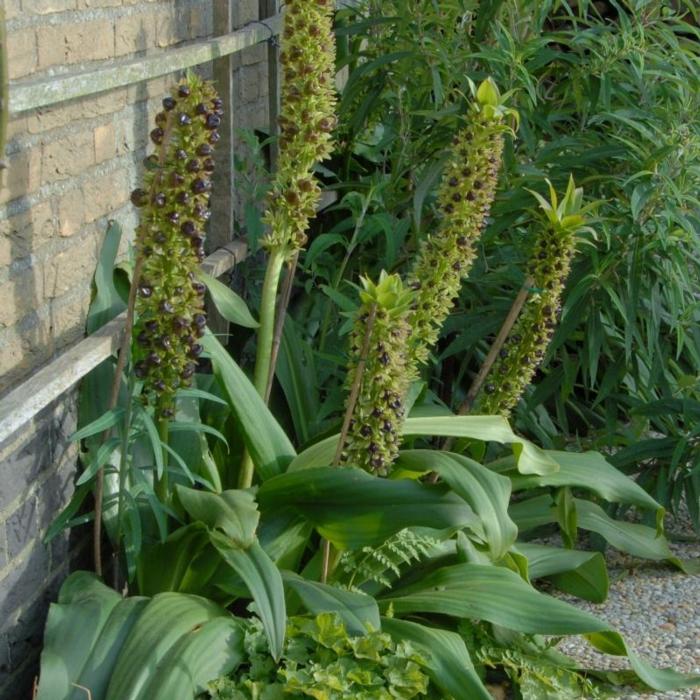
x=657, y=610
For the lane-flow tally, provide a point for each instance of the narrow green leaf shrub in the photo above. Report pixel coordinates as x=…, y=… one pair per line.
x=382, y=331
x=322, y=661
x=170, y=242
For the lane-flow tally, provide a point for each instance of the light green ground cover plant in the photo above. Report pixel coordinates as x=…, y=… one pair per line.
x=261, y=562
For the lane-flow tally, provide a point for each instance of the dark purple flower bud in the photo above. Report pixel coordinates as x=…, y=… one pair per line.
x=196, y=350
x=204, y=150
x=217, y=103
x=184, y=119
x=199, y=288
x=140, y=369
x=188, y=228
x=159, y=385
x=181, y=154
x=154, y=359
x=139, y=197
x=213, y=121
x=183, y=197
x=165, y=342
x=159, y=199
x=201, y=108
x=151, y=326
x=202, y=212
x=199, y=186
x=161, y=118
x=145, y=291
x=142, y=338
x=166, y=307
x=159, y=237
x=193, y=165
x=197, y=241
x=157, y=135
x=200, y=320
x=183, y=91
x=188, y=370
x=176, y=179
x=214, y=137
x=173, y=217
x=168, y=103
x=209, y=165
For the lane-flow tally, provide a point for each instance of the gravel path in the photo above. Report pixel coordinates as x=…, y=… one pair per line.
x=657, y=609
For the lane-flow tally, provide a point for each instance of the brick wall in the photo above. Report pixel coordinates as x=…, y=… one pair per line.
x=71, y=168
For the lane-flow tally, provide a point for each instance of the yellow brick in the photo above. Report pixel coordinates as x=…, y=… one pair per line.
x=21, y=52
x=134, y=34
x=105, y=194
x=49, y=118
x=70, y=268
x=105, y=145
x=68, y=156
x=74, y=43
x=172, y=27
x=45, y=7
x=21, y=295
x=71, y=212
x=68, y=317
x=12, y=9
x=28, y=231
x=21, y=176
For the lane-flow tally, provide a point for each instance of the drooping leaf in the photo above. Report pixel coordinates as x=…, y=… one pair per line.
x=264, y=582
x=359, y=612
x=233, y=512
x=487, y=493
x=353, y=509
x=450, y=667
x=228, y=303
x=267, y=443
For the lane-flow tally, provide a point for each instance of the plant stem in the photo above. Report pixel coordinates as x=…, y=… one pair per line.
x=263, y=355
x=350, y=409
x=161, y=487
x=495, y=348
x=279, y=321
x=267, y=320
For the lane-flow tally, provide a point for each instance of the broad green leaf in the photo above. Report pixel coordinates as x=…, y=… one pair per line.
x=228, y=303
x=73, y=626
x=201, y=655
x=264, y=582
x=589, y=470
x=583, y=574
x=99, y=425
x=161, y=567
x=530, y=459
x=353, y=509
x=235, y=513
x=267, y=443
x=98, y=668
x=494, y=594
x=359, y=611
x=533, y=512
x=487, y=493
x=166, y=618
x=450, y=667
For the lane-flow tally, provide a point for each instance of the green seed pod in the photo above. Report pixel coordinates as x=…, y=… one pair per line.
x=174, y=203
x=382, y=328
x=549, y=267
x=307, y=121
x=467, y=189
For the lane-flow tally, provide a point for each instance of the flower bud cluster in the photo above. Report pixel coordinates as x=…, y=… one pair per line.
x=527, y=343
x=382, y=327
x=466, y=192
x=306, y=122
x=174, y=205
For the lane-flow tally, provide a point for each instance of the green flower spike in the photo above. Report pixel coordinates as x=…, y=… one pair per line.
x=306, y=122
x=467, y=189
x=382, y=329
x=174, y=207
x=549, y=267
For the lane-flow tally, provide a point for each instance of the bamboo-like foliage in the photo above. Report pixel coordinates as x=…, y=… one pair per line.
x=379, y=363
x=549, y=267
x=467, y=189
x=306, y=121
x=170, y=241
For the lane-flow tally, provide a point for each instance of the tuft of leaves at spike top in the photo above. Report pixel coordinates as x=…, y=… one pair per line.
x=381, y=326
x=174, y=209
x=549, y=266
x=307, y=120
x=465, y=195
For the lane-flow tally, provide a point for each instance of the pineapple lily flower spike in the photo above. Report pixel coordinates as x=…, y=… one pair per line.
x=381, y=329
x=465, y=195
x=549, y=267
